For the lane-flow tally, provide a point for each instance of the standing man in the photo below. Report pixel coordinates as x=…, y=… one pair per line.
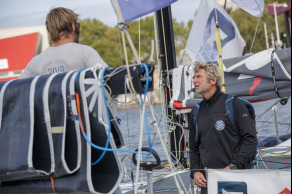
x=66, y=54
x=217, y=145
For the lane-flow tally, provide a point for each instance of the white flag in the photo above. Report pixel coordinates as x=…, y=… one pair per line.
x=201, y=44
x=254, y=7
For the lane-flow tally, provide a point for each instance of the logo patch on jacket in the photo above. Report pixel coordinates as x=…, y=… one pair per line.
x=220, y=125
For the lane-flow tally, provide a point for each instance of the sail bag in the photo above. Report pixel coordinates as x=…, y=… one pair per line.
x=41, y=146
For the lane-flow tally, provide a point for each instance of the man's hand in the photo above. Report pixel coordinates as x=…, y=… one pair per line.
x=200, y=180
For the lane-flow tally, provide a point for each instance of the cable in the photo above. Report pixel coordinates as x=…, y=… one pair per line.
x=108, y=117
x=254, y=36
x=147, y=78
x=105, y=149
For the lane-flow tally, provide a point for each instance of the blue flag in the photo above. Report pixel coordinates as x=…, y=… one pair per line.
x=134, y=9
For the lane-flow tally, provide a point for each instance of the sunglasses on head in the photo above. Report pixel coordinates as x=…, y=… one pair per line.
x=77, y=23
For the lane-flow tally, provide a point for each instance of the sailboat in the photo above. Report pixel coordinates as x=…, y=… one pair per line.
x=69, y=140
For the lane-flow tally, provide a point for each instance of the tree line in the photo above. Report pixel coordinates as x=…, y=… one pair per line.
x=108, y=41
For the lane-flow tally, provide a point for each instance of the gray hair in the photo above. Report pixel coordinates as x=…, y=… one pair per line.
x=212, y=70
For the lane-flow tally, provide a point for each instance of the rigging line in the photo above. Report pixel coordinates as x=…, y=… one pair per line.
x=219, y=48
x=164, y=44
x=284, y=100
x=166, y=60
x=262, y=154
x=265, y=19
x=269, y=119
x=225, y=4
x=181, y=60
x=127, y=62
x=129, y=139
x=139, y=25
x=263, y=162
x=123, y=27
x=254, y=35
x=289, y=166
x=120, y=48
x=274, y=162
x=163, y=112
x=104, y=149
x=152, y=124
x=268, y=110
x=176, y=176
x=178, y=162
x=180, y=140
x=139, y=149
x=168, y=73
x=277, y=27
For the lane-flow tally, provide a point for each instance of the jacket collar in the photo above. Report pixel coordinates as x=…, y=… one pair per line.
x=213, y=97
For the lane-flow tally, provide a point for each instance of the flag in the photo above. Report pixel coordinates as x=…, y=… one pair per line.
x=134, y=9
x=254, y=7
x=201, y=44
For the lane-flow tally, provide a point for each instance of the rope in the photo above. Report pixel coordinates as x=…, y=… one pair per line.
x=160, y=81
x=127, y=62
x=164, y=41
x=267, y=110
x=167, y=69
x=254, y=36
x=123, y=27
x=139, y=149
x=219, y=48
x=266, y=21
x=176, y=176
x=82, y=128
x=283, y=100
x=53, y=184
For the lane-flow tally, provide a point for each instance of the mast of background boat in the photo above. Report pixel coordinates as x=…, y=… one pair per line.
x=279, y=42
x=288, y=27
x=168, y=61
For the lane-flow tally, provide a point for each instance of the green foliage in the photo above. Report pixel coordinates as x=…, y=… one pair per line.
x=108, y=40
x=91, y=31
x=247, y=24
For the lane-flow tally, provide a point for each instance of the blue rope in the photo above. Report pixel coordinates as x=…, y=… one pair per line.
x=289, y=166
x=147, y=78
x=108, y=118
x=145, y=92
x=148, y=130
x=105, y=149
x=78, y=72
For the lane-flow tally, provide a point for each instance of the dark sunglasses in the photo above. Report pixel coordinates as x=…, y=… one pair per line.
x=78, y=24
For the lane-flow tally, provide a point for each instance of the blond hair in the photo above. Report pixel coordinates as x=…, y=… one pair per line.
x=212, y=71
x=59, y=22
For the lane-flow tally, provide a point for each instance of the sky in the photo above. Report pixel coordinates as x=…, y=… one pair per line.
x=22, y=13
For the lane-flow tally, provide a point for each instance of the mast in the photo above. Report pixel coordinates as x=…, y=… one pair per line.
x=287, y=17
x=168, y=61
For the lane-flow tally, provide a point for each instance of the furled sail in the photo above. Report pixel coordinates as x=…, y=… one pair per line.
x=249, y=77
